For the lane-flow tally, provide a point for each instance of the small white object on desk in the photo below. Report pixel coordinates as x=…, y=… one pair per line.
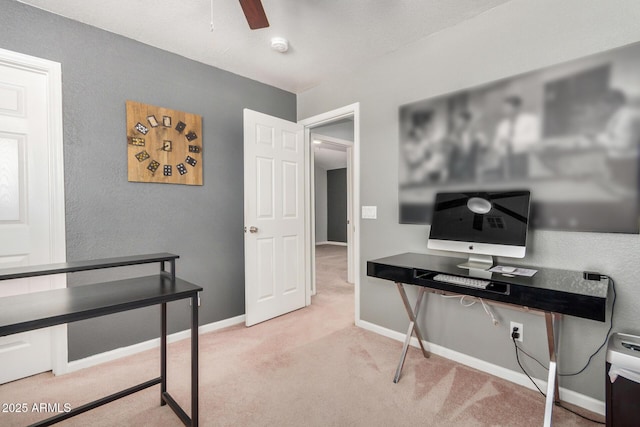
x=462, y=281
x=513, y=271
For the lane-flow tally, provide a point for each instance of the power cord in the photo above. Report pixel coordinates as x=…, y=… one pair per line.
x=606, y=338
x=580, y=415
x=520, y=364
x=487, y=307
x=489, y=312
x=514, y=336
x=530, y=356
x=462, y=303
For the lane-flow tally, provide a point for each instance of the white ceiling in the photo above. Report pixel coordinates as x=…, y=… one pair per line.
x=328, y=156
x=327, y=37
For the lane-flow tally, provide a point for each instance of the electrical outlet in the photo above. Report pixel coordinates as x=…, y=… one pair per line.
x=520, y=330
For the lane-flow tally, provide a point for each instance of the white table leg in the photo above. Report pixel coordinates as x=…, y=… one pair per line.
x=553, y=395
x=413, y=327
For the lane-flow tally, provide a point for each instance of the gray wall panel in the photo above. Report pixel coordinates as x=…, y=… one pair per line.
x=321, y=204
x=337, y=205
x=203, y=225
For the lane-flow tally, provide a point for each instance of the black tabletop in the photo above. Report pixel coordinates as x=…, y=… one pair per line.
x=27, y=312
x=545, y=278
x=560, y=291
x=73, y=266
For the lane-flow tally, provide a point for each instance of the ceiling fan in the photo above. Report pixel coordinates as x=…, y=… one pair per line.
x=254, y=12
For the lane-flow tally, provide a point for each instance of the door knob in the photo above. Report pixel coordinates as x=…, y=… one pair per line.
x=253, y=229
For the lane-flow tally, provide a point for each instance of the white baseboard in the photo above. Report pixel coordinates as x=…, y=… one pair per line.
x=569, y=396
x=331, y=243
x=118, y=353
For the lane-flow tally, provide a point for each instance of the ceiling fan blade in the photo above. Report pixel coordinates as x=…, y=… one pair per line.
x=254, y=12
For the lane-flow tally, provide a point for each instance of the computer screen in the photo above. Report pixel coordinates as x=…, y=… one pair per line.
x=482, y=222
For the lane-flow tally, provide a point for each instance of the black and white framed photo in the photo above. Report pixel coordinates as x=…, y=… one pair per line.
x=569, y=133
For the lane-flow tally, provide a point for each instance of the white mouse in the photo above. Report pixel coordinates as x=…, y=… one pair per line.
x=508, y=269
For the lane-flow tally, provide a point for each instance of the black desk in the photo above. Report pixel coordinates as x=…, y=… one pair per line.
x=552, y=292
x=23, y=313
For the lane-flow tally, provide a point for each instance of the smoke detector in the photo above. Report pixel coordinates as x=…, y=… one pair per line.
x=280, y=44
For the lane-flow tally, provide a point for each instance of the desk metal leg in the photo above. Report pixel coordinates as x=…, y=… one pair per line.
x=413, y=327
x=169, y=274
x=553, y=395
x=194, y=361
x=163, y=353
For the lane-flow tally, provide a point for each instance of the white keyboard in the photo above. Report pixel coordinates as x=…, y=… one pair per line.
x=462, y=281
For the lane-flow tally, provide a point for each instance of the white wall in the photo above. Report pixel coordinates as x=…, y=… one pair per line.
x=518, y=36
x=321, y=204
x=342, y=129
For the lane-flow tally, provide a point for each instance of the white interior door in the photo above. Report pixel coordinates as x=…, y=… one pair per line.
x=26, y=209
x=274, y=240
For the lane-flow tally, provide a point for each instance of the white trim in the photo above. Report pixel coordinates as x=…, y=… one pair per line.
x=569, y=396
x=310, y=232
x=352, y=110
x=121, y=352
x=327, y=242
x=57, y=242
x=351, y=259
x=330, y=140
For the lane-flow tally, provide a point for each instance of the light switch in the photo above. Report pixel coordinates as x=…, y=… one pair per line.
x=369, y=212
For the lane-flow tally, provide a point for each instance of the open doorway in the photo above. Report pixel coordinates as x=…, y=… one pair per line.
x=339, y=127
x=331, y=148
x=333, y=202
x=331, y=190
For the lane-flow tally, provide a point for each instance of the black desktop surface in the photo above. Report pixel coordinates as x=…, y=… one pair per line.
x=20, y=313
x=554, y=290
x=75, y=266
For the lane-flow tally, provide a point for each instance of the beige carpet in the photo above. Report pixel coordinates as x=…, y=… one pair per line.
x=312, y=367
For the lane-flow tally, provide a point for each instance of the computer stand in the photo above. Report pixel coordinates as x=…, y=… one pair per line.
x=478, y=262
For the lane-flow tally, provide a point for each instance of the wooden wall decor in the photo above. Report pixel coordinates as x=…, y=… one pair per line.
x=163, y=145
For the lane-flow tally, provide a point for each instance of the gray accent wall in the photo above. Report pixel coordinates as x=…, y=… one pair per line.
x=510, y=39
x=320, y=182
x=107, y=216
x=337, y=205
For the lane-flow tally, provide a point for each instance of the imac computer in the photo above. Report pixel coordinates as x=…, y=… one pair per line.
x=483, y=224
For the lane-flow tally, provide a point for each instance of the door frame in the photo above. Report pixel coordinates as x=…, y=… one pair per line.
x=57, y=243
x=352, y=110
x=348, y=151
